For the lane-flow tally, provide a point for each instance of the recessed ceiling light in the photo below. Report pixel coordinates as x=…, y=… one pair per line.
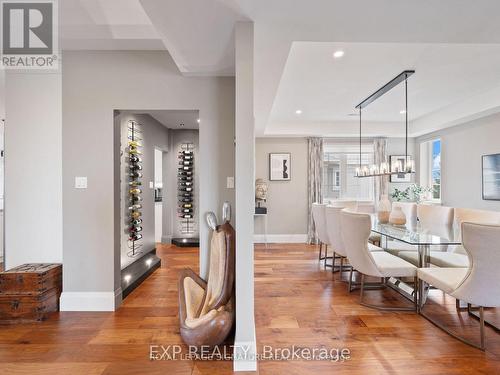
x=338, y=54
x=298, y=112
x=198, y=121
x=402, y=112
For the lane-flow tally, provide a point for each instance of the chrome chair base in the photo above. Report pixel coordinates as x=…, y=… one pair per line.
x=387, y=308
x=481, y=345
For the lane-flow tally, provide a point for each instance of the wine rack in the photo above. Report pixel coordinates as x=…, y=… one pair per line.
x=186, y=181
x=134, y=162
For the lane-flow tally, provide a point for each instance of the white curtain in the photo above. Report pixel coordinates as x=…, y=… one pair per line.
x=380, y=156
x=314, y=180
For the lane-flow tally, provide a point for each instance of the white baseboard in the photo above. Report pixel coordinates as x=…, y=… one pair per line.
x=91, y=301
x=280, y=238
x=245, y=356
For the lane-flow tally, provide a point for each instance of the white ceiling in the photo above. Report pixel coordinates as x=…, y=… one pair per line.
x=199, y=36
x=327, y=90
x=176, y=119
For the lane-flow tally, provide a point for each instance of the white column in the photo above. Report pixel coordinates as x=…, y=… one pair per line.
x=245, y=343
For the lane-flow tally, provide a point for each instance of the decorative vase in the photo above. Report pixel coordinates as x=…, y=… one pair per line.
x=384, y=209
x=397, y=216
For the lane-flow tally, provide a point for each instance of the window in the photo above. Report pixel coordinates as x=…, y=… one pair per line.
x=430, y=171
x=340, y=163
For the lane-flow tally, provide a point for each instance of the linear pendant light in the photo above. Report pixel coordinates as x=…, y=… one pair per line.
x=384, y=169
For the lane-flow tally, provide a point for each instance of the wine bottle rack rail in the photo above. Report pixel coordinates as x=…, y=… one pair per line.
x=185, y=188
x=134, y=170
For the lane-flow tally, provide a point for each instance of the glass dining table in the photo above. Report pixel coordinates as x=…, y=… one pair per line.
x=415, y=234
x=422, y=238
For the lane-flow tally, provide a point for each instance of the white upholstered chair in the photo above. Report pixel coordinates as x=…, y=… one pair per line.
x=455, y=256
x=410, y=211
x=319, y=217
x=478, y=284
x=356, y=228
x=437, y=220
x=334, y=230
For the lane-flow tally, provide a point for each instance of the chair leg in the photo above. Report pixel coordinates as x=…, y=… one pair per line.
x=482, y=345
x=382, y=308
x=320, y=250
x=349, y=287
x=481, y=327
x=326, y=257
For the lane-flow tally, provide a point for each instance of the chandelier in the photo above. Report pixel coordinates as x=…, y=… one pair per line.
x=400, y=167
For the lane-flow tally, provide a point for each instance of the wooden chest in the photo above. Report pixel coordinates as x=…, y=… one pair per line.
x=29, y=292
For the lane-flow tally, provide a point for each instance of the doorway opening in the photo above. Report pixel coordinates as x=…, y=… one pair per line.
x=158, y=187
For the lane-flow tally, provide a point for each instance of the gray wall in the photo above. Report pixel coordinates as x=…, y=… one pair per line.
x=94, y=84
x=33, y=168
x=461, y=149
x=287, y=200
x=154, y=135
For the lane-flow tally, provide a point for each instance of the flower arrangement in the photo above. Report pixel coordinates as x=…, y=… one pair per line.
x=413, y=193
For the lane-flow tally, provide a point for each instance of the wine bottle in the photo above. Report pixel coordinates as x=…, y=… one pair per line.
x=135, y=215
x=136, y=222
x=188, y=205
x=135, y=237
x=134, y=167
x=186, y=211
x=186, y=216
x=135, y=174
x=134, y=144
x=135, y=183
x=186, y=162
x=134, y=229
x=185, y=178
x=186, y=157
x=185, y=183
x=186, y=189
x=186, y=152
x=135, y=191
x=135, y=159
x=134, y=151
x=185, y=168
x=185, y=200
x=135, y=207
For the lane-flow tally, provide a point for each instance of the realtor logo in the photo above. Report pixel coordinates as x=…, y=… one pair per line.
x=29, y=39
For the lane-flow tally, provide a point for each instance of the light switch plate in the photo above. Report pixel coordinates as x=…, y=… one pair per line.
x=80, y=182
x=151, y=185
x=230, y=182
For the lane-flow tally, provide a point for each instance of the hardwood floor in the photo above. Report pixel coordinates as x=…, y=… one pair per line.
x=296, y=303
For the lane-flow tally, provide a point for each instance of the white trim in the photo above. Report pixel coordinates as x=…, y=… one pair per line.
x=280, y=238
x=91, y=301
x=245, y=360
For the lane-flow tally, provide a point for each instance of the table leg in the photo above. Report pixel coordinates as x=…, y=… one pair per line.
x=423, y=261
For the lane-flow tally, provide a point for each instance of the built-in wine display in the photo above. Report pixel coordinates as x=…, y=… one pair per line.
x=134, y=171
x=186, y=209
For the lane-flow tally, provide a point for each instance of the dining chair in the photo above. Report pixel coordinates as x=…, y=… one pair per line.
x=437, y=220
x=476, y=284
x=456, y=256
x=410, y=211
x=334, y=229
x=356, y=229
x=319, y=218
